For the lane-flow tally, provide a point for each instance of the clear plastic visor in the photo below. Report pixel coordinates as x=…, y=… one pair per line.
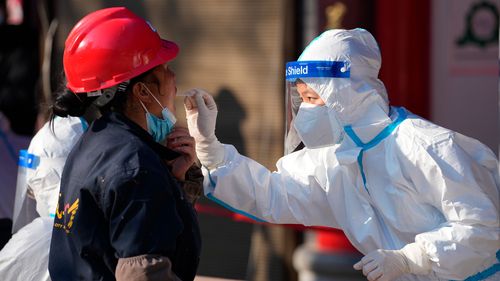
x=295, y=72
x=24, y=204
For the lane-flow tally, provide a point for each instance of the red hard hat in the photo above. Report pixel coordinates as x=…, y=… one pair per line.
x=110, y=46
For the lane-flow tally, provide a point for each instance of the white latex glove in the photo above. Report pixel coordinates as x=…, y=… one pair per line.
x=387, y=265
x=201, y=115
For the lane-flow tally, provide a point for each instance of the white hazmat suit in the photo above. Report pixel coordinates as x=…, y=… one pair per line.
x=26, y=255
x=393, y=181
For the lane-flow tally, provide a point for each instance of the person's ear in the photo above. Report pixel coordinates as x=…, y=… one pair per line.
x=140, y=92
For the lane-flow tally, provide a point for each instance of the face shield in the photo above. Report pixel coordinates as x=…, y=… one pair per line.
x=325, y=78
x=24, y=204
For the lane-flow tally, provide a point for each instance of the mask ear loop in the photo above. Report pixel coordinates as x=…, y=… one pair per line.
x=144, y=107
x=172, y=116
x=149, y=92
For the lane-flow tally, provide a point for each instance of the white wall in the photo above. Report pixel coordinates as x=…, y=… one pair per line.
x=464, y=79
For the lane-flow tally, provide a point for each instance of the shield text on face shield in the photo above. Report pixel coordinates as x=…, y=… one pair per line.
x=303, y=69
x=314, y=126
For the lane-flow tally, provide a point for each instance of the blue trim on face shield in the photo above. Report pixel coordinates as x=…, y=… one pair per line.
x=376, y=140
x=28, y=160
x=309, y=69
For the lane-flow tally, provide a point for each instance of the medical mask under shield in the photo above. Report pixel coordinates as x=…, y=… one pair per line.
x=314, y=126
x=159, y=128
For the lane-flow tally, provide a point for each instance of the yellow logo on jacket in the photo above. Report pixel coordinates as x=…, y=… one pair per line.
x=61, y=220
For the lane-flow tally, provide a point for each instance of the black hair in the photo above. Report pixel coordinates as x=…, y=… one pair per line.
x=67, y=103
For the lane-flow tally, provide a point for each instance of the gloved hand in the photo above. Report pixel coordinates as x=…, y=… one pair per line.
x=201, y=114
x=387, y=265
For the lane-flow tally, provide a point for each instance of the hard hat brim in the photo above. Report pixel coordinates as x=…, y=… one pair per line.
x=169, y=51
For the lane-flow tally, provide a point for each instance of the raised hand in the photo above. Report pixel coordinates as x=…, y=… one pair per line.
x=180, y=141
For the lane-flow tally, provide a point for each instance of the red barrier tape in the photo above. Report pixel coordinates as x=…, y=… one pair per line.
x=221, y=212
x=327, y=239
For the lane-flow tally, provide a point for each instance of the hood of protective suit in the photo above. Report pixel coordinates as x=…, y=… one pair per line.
x=362, y=102
x=52, y=144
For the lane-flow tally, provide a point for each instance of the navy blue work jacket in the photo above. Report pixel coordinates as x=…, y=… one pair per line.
x=117, y=200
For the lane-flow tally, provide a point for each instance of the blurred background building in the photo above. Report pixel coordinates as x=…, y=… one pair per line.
x=440, y=59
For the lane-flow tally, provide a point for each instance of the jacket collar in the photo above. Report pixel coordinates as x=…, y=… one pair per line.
x=127, y=124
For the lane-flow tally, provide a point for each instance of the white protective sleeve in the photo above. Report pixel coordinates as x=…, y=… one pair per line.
x=26, y=255
x=460, y=177
x=247, y=187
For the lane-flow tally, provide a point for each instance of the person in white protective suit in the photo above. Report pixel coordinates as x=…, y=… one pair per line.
x=26, y=255
x=421, y=202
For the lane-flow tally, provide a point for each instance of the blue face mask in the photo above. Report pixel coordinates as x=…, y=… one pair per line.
x=159, y=128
